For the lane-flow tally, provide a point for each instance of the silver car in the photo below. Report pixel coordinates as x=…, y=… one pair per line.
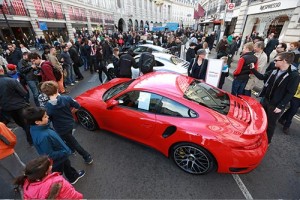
x=164, y=62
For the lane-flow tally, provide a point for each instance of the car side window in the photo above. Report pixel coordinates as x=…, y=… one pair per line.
x=140, y=100
x=160, y=64
x=140, y=49
x=173, y=108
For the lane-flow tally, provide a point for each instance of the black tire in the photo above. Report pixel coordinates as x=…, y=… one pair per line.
x=111, y=73
x=193, y=159
x=86, y=119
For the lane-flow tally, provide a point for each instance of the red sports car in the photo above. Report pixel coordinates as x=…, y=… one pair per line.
x=200, y=127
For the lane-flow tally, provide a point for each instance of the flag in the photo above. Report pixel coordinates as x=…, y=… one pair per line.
x=199, y=12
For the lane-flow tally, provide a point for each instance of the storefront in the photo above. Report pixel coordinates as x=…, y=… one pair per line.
x=271, y=17
x=22, y=30
x=80, y=29
x=54, y=31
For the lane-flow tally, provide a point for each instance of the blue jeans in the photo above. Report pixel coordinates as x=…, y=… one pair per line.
x=238, y=87
x=33, y=85
x=70, y=74
x=85, y=62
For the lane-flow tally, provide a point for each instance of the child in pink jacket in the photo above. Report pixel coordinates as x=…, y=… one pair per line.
x=39, y=182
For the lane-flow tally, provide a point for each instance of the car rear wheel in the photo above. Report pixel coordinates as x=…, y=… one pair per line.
x=193, y=159
x=86, y=119
x=111, y=73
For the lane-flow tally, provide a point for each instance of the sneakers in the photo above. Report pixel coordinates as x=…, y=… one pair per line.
x=89, y=160
x=72, y=84
x=81, y=174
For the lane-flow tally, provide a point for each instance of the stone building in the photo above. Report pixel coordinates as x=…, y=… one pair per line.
x=246, y=16
x=140, y=14
x=62, y=18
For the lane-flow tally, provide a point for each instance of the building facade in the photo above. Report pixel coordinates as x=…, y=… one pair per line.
x=145, y=14
x=246, y=16
x=27, y=19
x=51, y=19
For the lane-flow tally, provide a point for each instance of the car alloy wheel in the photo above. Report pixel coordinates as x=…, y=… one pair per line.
x=193, y=159
x=86, y=119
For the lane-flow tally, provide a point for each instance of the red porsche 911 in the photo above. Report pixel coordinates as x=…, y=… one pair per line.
x=202, y=128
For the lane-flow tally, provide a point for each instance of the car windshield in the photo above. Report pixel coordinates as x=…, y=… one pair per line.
x=208, y=96
x=116, y=89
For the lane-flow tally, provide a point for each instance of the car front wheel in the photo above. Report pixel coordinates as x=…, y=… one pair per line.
x=86, y=119
x=193, y=159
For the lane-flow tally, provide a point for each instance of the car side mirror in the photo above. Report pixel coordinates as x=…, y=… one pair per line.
x=113, y=103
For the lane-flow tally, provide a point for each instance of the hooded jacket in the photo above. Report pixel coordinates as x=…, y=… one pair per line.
x=59, y=111
x=41, y=189
x=47, y=142
x=281, y=90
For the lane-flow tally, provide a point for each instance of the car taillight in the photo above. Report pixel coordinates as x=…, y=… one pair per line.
x=255, y=145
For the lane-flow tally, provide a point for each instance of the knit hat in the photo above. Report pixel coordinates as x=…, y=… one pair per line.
x=201, y=52
x=11, y=67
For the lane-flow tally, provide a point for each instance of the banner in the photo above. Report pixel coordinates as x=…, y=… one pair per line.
x=213, y=73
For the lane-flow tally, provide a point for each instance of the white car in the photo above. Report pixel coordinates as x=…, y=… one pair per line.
x=164, y=62
x=144, y=47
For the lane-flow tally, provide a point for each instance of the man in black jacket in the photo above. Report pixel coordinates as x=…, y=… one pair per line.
x=12, y=101
x=125, y=63
x=279, y=89
x=29, y=71
x=191, y=53
x=14, y=55
x=76, y=60
x=271, y=45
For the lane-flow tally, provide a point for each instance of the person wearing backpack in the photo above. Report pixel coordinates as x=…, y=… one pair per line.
x=198, y=66
x=146, y=62
x=45, y=67
x=125, y=63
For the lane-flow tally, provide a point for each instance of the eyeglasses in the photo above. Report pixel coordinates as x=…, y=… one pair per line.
x=277, y=60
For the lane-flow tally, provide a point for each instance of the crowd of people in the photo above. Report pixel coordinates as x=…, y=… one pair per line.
x=49, y=75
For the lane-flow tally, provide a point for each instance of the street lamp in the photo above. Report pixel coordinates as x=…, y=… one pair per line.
x=9, y=28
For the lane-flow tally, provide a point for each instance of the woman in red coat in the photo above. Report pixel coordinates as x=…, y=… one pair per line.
x=39, y=183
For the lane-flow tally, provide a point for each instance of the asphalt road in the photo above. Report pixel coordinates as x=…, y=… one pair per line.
x=124, y=169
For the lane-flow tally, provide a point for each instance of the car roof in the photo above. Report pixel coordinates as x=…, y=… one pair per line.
x=173, y=84
x=158, y=48
x=159, y=55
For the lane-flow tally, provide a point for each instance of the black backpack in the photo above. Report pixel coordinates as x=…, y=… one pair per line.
x=148, y=63
x=56, y=72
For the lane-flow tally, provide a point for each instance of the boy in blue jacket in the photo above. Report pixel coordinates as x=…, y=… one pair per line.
x=47, y=142
x=60, y=109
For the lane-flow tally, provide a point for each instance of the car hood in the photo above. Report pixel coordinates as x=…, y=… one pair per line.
x=96, y=93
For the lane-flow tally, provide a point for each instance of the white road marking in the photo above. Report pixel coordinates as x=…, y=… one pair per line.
x=94, y=78
x=242, y=186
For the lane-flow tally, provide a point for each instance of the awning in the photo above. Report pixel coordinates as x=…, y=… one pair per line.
x=207, y=21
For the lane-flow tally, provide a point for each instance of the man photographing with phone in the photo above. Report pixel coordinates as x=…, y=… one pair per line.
x=279, y=88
